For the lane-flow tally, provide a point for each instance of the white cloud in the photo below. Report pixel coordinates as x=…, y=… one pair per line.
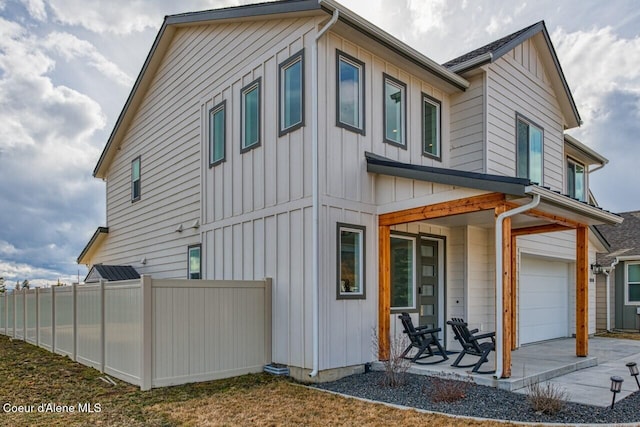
x=36, y=9
x=498, y=23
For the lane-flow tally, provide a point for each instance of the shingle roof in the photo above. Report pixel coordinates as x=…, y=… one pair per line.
x=488, y=48
x=111, y=273
x=624, y=238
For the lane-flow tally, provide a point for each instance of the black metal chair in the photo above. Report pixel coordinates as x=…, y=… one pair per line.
x=422, y=339
x=471, y=344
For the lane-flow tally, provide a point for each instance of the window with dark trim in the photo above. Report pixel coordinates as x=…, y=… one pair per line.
x=351, y=261
x=576, y=180
x=529, y=142
x=250, y=116
x=291, y=82
x=403, y=274
x=135, y=179
x=194, y=262
x=632, y=281
x=217, y=134
x=394, y=108
x=349, y=92
x=431, y=126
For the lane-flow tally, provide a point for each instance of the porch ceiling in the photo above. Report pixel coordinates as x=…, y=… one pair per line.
x=483, y=219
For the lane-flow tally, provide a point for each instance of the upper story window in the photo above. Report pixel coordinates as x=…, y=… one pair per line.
x=292, y=93
x=576, y=180
x=632, y=280
x=250, y=116
x=394, y=108
x=135, y=179
x=350, y=93
x=431, y=126
x=529, y=139
x=351, y=259
x=217, y=134
x=194, y=254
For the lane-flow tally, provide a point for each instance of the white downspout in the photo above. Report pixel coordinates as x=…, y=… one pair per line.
x=608, y=273
x=315, y=195
x=499, y=277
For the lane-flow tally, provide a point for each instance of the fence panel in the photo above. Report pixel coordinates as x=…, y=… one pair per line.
x=31, y=316
x=123, y=330
x=3, y=313
x=10, y=314
x=45, y=337
x=89, y=325
x=205, y=330
x=19, y=314
x=64, y=342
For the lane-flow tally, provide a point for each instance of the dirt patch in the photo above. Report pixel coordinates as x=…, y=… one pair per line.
x=620, y=335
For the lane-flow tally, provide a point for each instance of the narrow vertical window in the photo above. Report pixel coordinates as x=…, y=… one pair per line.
x=195, y=271
x=217, y=134
x=394, y=107
x=292, y=93
x=350, y=93
x=250, y=116
x=403, y=282
x=576, y=180
x=135, y=179
x=351, y=259
x=529, y=139
x=431, y=126
x=633, y=283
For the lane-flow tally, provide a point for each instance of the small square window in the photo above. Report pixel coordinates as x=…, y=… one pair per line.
x=194, y=266
x=349, y=93
x=351, y=261
x=250, y=116
x=394, y=108
x=135, y=179
x=431, y=126
x=217, y=134
x=529, y=141
x=292, y=93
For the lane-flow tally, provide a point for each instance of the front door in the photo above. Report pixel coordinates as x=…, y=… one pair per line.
x=428, y=283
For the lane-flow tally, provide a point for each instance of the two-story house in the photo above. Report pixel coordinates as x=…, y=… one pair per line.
x=298, y=141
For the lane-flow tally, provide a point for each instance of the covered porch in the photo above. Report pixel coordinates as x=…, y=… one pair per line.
x=508, y=208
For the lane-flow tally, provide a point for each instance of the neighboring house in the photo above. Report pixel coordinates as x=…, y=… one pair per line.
x=618, y=285
x=211, y=173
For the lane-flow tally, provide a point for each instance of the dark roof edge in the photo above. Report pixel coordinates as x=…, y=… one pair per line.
x=600, y=237
x=96, y=234
x=502, y=184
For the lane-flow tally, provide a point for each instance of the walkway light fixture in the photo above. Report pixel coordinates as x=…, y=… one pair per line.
x=633, y=370
x=616, y=386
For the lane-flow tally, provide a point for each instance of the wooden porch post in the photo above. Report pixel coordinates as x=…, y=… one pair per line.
x=506, y=293
x=582, y=291
x=384, y=290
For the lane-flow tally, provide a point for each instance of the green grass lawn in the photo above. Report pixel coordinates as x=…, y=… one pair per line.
x=30, y=376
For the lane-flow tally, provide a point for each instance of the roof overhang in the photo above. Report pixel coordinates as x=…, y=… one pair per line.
x=579, y=151
x=519, y=189
x=96, y=240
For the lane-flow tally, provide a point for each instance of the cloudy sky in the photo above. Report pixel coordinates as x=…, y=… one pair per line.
x=67, y=66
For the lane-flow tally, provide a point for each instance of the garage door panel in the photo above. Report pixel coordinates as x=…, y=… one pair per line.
x=543, y=293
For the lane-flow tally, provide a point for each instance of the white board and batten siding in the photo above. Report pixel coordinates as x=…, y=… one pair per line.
x=468, y=114
x=517, y=83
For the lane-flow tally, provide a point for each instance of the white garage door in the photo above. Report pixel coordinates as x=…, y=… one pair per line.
x=544, y=299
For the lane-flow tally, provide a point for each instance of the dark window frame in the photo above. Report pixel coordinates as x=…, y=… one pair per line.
x=296, y=57
x=258, y=84
x=355, y=62
x=529, y=122
x=189, y=248
x=572, y=192
x=222, y=106
x=139, y=180
x=430, y=99
x=403, y=111
x=415, y=238
x=363, y=243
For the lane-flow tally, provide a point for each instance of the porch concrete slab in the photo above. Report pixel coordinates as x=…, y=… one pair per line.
x=586, y=379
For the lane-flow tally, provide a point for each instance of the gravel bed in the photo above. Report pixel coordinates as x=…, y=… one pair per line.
x=479, y=401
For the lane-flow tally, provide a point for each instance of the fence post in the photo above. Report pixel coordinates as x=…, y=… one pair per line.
x=38, y=317
x=53, y=319
x=102, y=327
x=146, y=355
x=15, y=315
x=24, y=314
x=267, y=320
x=74, y=327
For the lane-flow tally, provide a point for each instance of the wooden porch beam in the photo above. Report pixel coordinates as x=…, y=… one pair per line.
x=506, y=292
x=556, y=219
x=545, y=228
x=582, y=291
x=384, y=291
x=439, y=210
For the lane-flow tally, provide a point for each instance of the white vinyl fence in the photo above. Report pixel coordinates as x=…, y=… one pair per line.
x=149, y=332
